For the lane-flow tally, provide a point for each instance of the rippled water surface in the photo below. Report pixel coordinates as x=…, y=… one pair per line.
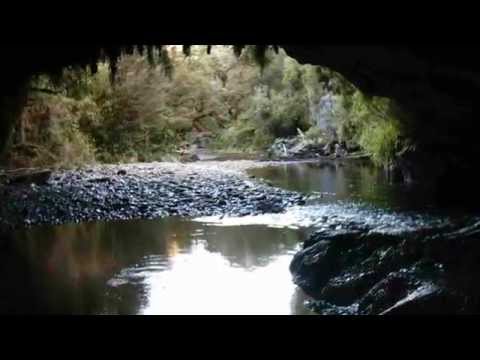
x=201, y=266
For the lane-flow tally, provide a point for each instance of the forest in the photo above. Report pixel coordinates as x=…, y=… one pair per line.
x=153, y=104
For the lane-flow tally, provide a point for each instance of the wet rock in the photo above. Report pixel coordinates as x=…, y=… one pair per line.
x=326, y=308
x=386, y=293
x=344, y=290
x=375, y=273
x=426, y=299
x=313, y=266
x=122, y=172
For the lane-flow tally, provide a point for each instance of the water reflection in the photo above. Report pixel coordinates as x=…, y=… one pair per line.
x=170, y=266
x=203, y=282
x=200, y=266
x=352, y=180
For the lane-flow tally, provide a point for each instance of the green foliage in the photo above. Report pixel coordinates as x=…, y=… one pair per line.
x=315, y=134
x=149, y=109
x=381, y=140
x=372, y=123
x=163, y=97
x=239, y=136
x=270, y=115
x=292, y=76
x=52, y=134
x=277, y=107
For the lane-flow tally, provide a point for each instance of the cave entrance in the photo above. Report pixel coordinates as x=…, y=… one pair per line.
x=154, y=104
x=114, y=211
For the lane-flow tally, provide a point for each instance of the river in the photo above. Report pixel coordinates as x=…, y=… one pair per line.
x=210, y=265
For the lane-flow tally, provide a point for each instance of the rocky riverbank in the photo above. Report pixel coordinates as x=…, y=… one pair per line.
x=300, y=148
x=368, y=273
x=140, y=191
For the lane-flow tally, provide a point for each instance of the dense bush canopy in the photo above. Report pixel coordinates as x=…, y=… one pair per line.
x=163, y=97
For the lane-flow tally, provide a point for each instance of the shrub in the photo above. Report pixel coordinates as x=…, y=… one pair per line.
x=381, y=140
x=371, y=123
x=52, y=134
x=315, y=134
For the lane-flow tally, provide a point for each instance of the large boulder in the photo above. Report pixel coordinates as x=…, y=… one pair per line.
x=364, y=272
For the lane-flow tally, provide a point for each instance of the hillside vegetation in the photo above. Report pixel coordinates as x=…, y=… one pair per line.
x=160, y=101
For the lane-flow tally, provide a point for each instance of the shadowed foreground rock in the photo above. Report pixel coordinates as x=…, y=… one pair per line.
x=371, y=274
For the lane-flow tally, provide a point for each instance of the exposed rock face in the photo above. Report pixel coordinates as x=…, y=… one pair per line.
x=360, y=272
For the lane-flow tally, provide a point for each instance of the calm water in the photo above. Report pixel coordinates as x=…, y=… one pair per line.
x=169, y=266
x=348, y=180
x=197, y=266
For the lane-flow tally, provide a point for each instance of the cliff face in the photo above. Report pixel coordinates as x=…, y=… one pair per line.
x=437, y=88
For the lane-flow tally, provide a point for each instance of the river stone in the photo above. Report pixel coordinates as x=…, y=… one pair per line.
x=78, y=194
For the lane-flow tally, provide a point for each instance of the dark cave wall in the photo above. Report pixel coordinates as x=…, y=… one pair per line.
x=13, y=97
x=20, y=62
x=437, y=88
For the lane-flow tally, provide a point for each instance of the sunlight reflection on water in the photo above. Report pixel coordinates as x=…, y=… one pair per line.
x=202, y=282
